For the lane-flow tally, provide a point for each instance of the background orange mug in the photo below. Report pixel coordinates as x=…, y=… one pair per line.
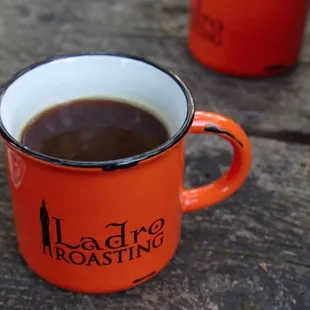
x=101, y=227
x=247, y=38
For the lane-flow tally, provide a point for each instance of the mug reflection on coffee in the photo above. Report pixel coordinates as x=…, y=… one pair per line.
x=94, y=145
x=94, y=130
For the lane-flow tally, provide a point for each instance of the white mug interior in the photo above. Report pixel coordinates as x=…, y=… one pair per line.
x=64, y=79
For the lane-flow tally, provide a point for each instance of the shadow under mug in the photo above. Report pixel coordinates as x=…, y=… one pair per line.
x=99, y=227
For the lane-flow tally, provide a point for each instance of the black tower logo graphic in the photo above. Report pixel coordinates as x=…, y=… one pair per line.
x=45, y=223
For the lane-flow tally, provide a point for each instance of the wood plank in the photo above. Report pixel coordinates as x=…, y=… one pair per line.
x=221, y=260
x=32, y=30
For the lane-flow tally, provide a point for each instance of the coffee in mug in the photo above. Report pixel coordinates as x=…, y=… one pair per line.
x=94, y=129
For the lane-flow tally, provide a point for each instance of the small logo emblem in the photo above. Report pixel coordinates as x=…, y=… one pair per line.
x=16, y=168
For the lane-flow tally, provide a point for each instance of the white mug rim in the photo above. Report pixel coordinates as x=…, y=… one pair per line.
x=104, y=165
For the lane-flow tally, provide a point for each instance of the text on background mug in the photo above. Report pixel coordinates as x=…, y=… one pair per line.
x=247, y=38
x=101, y=227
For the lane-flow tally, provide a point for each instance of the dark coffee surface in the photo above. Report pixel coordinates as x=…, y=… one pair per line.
x=94, y=130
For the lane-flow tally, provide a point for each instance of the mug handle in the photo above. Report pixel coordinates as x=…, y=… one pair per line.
x=219, y=190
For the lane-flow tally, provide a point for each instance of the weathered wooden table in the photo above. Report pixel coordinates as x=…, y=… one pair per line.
x=251, y=252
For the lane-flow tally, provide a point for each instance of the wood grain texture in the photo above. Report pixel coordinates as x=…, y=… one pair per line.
x=250, y=252
x=34, y=29
x=218, y=264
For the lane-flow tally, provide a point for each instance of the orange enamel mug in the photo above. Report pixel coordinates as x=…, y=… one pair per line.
x=100, y=227
x=247, y=38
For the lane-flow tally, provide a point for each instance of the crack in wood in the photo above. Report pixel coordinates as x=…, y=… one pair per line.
x=257, y=256
x=175, y=9
x=246, y=306
x=289, y=136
